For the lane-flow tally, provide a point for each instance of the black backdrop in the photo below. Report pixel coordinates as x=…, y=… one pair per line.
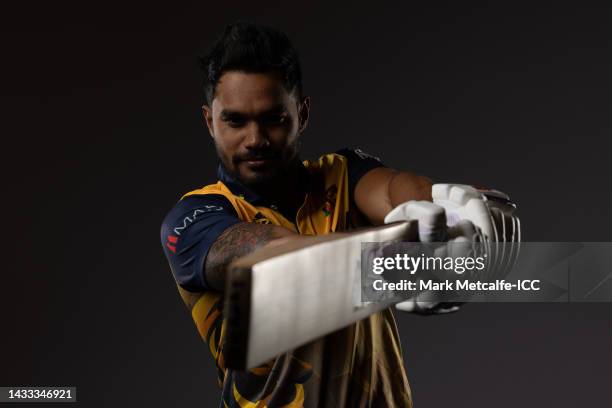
x=101, y=135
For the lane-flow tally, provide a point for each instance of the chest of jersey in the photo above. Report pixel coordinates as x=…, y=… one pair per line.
x=325, y=205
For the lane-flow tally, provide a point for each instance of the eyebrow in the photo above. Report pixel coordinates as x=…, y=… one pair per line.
x=229, y=114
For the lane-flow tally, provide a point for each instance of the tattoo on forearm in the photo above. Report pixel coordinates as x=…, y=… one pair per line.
x=236, y=241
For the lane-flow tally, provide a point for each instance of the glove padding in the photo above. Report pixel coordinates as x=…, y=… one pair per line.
x=492, y=212
x=462, y=213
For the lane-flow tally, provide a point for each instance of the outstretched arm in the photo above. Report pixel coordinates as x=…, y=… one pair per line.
x=239, y=240
x=202, y=235
x=382, y=189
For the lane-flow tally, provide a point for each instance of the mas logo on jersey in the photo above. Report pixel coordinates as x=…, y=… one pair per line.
x=193, y=216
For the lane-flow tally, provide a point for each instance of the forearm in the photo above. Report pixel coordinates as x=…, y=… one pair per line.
x=237, y=241
x=406, y=186
x=382, y=189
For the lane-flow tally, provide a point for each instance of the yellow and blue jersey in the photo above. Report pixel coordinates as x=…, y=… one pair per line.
x=360, y=365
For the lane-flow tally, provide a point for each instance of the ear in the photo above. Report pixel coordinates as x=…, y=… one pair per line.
x=304, y=113
x=207, y=114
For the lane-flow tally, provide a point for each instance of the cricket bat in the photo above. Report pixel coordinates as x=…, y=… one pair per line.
x=279, y=298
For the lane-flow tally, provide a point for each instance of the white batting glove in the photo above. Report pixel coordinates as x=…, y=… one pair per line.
x=492, y=212
x=431, y=219
x=470, y=215
x=432, y=224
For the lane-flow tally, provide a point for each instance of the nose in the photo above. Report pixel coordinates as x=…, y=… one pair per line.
x=256, y=136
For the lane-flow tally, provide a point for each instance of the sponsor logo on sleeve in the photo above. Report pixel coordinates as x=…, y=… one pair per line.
x=172, y=240
x=191, y=218
x=365, y=155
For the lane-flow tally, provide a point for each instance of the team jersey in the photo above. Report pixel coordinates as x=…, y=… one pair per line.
x=358, y=366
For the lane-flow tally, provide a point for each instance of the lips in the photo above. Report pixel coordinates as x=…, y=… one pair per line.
x=258, y=162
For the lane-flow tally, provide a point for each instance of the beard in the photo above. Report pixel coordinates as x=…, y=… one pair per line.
x=264, y=169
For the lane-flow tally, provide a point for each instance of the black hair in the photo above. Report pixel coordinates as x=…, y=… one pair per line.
x=249, y=47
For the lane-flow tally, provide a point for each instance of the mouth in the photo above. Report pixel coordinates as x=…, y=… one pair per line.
x=259, y=162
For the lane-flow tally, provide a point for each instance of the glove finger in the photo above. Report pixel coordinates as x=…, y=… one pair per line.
x=431, y=219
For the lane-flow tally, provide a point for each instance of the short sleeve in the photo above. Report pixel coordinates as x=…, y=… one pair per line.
x=358, y=164
x=188, y=232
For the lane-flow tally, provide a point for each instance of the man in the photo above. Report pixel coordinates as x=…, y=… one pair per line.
x=256, y=114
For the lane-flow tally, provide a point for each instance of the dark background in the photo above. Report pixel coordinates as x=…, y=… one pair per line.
x=101, y=134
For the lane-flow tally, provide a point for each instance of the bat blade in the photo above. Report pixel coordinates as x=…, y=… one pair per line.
x=280, y=298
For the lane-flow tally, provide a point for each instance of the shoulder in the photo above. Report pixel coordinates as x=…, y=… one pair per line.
x=193, y=206
x=192, y=210
x=358, y=163
x=217, y=188
x=207, y=200
x=345, y=158
x=188, y=231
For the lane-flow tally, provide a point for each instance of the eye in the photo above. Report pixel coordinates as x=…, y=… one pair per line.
x=234, y=122
x=279, y=119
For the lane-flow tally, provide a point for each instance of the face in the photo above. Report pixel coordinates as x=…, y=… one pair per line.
x=255, y=124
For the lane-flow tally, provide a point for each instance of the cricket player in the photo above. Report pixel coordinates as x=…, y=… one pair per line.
x=266, y=194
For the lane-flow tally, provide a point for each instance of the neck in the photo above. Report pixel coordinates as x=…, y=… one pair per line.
x=285, y=189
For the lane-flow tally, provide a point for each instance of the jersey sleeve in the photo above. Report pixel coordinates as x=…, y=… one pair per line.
x=358, y=164
x=188, y=232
